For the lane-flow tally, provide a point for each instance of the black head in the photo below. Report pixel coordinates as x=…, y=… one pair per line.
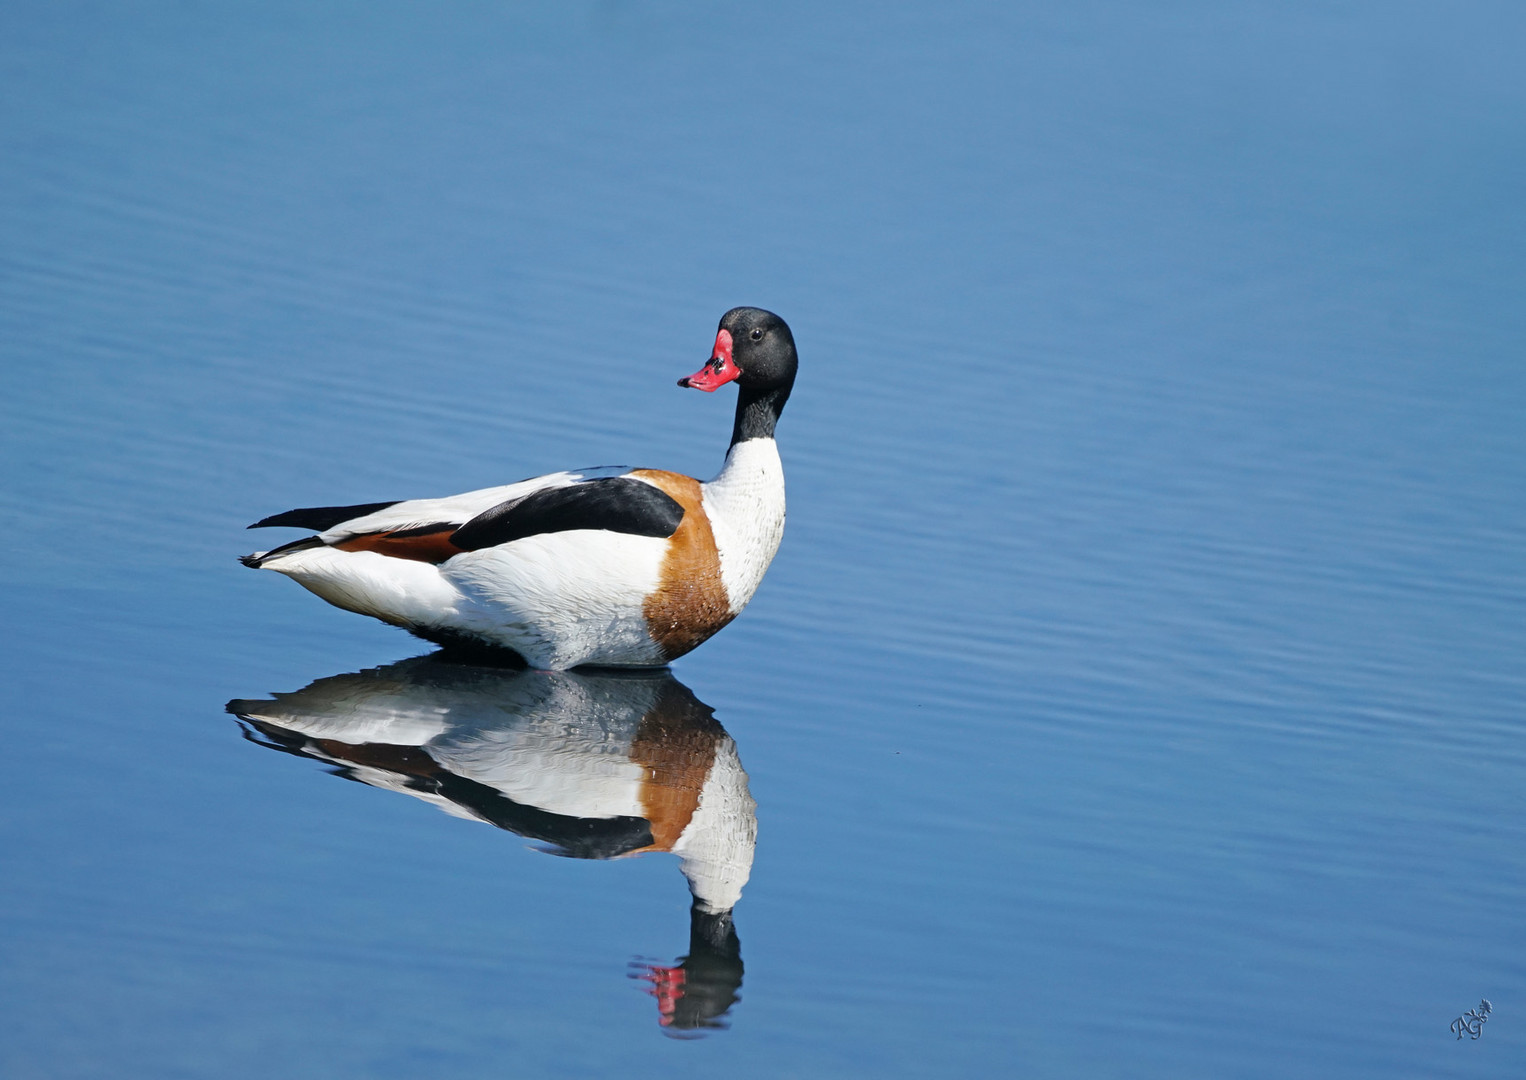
x=753, y=347
x=762, y=346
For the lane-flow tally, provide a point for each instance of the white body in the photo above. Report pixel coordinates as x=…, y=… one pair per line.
x=558, y=599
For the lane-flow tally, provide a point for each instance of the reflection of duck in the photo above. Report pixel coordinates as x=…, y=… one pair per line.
x=595, y=765
x=607, y=566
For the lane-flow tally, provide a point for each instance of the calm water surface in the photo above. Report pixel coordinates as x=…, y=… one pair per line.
x=1139, y=689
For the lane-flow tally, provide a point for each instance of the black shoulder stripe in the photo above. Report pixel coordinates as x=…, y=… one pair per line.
x=575, y=837
x=321, y=518
x=615, y=504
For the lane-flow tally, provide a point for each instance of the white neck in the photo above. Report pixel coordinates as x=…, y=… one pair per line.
x=745, y=504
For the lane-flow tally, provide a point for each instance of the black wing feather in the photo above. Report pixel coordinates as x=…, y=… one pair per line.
x=614, y=503
x=256, y=561
x=321, y=518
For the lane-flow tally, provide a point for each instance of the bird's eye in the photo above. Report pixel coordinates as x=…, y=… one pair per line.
x=757, y=334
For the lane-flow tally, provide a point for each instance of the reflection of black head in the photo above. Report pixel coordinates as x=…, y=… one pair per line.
x=712, y=971
x=695, y=995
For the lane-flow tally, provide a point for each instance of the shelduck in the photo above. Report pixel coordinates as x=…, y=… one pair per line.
x=609, y=566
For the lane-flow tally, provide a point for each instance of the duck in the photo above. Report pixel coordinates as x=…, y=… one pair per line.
x=612, y=566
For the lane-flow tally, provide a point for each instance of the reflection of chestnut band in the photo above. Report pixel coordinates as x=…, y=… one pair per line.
x=678, y=756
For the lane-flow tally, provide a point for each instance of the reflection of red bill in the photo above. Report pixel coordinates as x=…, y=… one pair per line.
x=667, y=986
x=719, y=370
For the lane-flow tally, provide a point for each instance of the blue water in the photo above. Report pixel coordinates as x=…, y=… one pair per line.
x=1138, y=691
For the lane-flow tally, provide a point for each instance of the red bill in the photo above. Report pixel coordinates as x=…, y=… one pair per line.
x=719, y=370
